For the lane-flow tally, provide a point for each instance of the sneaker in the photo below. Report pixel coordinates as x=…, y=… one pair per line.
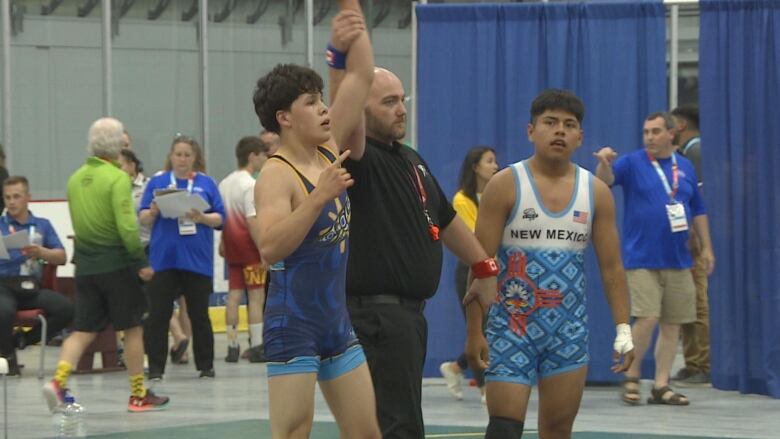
x=54, y=394
x=155, y=377
x=207, y=373
x=56, y=340
x=148, y=403
x=257, y=354
x=453, y=379
x=232, y=355
x=697, y=379
x=682, y=374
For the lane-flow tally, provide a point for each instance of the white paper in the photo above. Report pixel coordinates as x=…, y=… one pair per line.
x=17, y=240
x=178, y=204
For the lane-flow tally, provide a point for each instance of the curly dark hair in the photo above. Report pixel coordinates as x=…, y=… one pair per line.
x=279, y=88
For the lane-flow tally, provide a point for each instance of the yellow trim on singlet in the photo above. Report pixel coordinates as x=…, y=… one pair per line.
x=299, y=174
x=335, y=154
x=296, y=173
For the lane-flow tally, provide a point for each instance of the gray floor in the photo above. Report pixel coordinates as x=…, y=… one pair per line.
x=238, y=393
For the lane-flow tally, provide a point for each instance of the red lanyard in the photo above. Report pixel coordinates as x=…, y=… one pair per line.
x=190, y=180
x=417, y=182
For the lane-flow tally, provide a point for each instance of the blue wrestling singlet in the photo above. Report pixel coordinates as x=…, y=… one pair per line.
x=538, y=325
x=307, y=327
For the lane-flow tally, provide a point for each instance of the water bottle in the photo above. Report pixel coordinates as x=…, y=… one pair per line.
x=71, y=419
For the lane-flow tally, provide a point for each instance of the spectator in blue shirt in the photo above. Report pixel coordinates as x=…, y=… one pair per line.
x=662, y=204
x=181, y=252
x=20, y=276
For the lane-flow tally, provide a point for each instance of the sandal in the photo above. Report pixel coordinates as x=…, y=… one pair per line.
x=178, y=351
x=630, y=395
x=674, y=399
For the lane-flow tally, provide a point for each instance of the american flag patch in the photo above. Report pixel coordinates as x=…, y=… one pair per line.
x=580, y=217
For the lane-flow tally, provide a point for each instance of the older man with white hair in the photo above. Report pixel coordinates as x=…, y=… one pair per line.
x=109, y=260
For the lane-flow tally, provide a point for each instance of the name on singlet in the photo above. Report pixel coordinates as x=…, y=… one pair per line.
x=557, y=234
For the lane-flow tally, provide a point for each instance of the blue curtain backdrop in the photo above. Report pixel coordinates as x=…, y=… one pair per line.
x=480, y=66
x=739, y=85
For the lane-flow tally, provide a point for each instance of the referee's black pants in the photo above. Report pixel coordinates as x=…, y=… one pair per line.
x=394, y=338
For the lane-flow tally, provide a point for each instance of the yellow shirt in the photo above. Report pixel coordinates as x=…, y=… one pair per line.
x=466, y=208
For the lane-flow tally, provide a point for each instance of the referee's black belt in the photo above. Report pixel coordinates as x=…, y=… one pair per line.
x=386, y=299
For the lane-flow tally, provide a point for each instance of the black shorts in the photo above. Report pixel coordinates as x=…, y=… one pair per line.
x=116, y=297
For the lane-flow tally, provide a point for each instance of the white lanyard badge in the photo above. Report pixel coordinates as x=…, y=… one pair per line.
x=675, y=210
x=186, y=226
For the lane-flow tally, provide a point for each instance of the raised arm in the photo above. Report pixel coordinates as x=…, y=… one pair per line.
x=606, y=156
x=349, y=89
x=606, y=244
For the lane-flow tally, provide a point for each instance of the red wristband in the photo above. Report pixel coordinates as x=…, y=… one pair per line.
x=486, y=268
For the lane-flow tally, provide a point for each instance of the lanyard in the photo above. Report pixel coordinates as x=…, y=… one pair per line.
x=190, y=180
x=671, y=191
x=417, y=182
x=12, y=229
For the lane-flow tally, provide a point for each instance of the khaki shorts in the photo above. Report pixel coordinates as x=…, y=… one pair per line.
x=669, y=295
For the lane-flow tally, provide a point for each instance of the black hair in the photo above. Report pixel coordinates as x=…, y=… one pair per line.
x=249, y=145
x=556, y=99
x=467, y=181
x=279, y=88
x=130, y=156
x=690, y=113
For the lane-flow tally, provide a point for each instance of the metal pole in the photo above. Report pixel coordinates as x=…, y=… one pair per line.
x=203, y=18
x=310, y=33
x=413, y=117
x=5, y=407
x=681, y=2
x=674, y=57
x=6, y=23
x=4, y=373
x=107, y=57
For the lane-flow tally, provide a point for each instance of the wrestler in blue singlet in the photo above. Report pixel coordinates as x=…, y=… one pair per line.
x=307, y=327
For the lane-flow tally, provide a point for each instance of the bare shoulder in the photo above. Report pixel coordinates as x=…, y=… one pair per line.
x=500, y=190
x=276, y=178
x=601, y=192
x=506, y=174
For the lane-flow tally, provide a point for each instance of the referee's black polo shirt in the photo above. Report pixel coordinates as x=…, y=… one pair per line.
x=390, y=247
